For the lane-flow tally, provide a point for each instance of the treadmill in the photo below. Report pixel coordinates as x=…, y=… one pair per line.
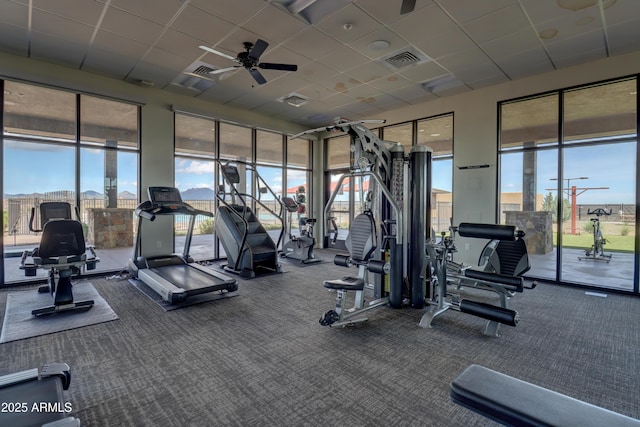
x=176, y=276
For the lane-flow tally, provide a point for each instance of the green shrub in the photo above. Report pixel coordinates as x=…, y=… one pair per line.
x=206, y=226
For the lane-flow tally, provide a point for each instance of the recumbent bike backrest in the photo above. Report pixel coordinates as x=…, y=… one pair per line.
x=62, y=237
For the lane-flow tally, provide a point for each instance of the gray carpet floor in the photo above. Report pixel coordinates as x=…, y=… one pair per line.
x=262, y=359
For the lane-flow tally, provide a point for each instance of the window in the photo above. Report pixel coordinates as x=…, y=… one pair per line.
x=52, y=153
x=235, y=142
x=551, y=183
x=437, y=133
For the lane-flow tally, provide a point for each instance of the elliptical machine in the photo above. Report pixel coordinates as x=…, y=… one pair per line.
x=299, y=247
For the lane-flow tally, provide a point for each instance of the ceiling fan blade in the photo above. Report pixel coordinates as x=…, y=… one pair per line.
x=257, y=76
x=224, y=70
x=407, y=6
x=283, y=67
x=258, y=49
x=211, y=50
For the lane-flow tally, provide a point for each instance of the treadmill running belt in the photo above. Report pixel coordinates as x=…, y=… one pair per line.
x=192, y=280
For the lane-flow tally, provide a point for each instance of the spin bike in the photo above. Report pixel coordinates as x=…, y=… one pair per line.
x=299, y=247
x=596, y=252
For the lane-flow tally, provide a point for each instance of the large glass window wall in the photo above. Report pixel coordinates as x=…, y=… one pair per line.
x=568, y=174
x=74, y=148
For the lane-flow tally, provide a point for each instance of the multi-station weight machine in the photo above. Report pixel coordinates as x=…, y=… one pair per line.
x=391, y=237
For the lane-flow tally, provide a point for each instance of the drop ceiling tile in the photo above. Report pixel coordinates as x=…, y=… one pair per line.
x=58, y=26
x=360, y=23
x=497, y=24
x=312, y=43
x=413, y=94
x=616, y=12
x=165, y=59
x=540, y=11
x=157, y=11
x=513, y=43
x=109, y=63
x=569, y=26
x=580, y=57
x=421, y=24
x=422, y=72
x=464, y=12
x=388, y=11
x=575, y=45
x=160, y=76
x=396, y=43
x=15, y=14
x=390, y=83
x=53, y=49
x=180, y=44
x=87, y=12
x=344, y=58
x=525, y=63
x=624, y=37
x=486, y=82
x=202, y=25
x=446, y=43
x=234, y=11
x=462, y=60
x=369, y=72
x=130, y=26
x=479, y=72
x=315, y=72
x=14, y=39
x=110, y=42
x=274, y=25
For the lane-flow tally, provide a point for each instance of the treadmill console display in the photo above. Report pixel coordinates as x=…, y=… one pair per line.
x=164, y=196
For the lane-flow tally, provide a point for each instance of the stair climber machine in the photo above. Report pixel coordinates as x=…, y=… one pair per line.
x=174, y=277
x=249, y=248
x=301, y=246
x=398, y=206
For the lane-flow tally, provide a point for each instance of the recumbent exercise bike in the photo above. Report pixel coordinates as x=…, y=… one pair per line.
x=63, y=252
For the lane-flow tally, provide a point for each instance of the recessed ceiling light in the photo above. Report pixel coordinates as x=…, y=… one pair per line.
x=435, y=134
x=378, y=45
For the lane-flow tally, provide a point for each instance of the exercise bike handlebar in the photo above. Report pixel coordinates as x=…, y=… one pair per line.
x=599, y=212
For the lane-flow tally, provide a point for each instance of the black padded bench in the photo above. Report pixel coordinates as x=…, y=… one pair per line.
x=514, y=402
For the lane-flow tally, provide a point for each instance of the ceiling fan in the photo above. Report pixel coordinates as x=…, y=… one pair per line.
x=250, y=60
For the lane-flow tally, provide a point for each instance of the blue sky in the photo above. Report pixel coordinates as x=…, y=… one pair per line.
x=610, y=166
x=40, y=168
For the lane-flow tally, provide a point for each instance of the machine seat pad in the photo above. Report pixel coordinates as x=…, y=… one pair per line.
x=511, y=401
x=346, y=284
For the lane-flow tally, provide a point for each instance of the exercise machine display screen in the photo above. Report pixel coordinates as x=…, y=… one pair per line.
x=164, y=195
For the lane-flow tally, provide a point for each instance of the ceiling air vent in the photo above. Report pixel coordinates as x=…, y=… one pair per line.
x=202, y=70
x=404, y=58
